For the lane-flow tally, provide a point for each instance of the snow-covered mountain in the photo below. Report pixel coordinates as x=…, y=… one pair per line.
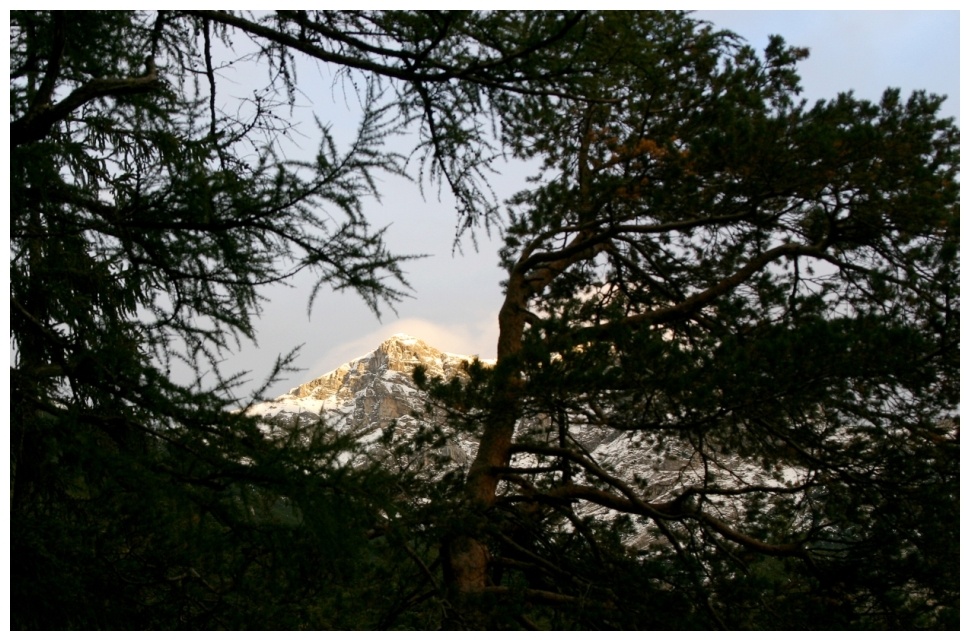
x=372, y=393
x=376, y=392
x=369, y=391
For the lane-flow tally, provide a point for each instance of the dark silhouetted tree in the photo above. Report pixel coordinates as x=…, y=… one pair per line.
x=759, y=299
x=148, y=207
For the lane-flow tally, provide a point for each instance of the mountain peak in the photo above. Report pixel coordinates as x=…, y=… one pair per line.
x=404, y=343
x=370, y=391
x=401, y=337
x=367, y=376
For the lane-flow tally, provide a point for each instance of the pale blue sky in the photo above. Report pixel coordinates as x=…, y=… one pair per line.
x=456, y=297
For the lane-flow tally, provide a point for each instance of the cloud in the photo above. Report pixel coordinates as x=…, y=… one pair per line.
x=472, y=338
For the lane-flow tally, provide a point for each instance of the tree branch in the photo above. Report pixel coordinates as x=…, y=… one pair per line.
x=446, y=73
x=38, y=123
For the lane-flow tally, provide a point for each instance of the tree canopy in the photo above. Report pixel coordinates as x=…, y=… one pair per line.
x=148, y=208
x=757, y=297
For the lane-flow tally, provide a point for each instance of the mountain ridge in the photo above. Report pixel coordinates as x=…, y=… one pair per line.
x=374, y=393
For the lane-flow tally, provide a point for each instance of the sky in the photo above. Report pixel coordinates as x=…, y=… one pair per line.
x=455, y=295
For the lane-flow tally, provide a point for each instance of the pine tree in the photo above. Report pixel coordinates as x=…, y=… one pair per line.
x=759, y=297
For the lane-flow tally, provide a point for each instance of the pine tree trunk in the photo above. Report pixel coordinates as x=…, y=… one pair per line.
x=467, y=556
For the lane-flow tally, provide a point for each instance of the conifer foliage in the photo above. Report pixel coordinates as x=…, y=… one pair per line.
x=760, y=294
x=149, y=204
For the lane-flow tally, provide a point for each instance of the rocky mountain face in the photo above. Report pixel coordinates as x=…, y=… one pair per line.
x=375, y=393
